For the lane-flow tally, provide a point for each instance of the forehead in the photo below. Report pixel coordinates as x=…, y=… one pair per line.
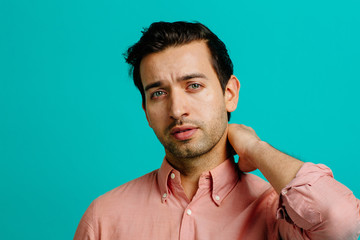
x=174, y=62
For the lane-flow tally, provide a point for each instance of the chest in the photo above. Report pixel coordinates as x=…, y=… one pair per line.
x=199, y=219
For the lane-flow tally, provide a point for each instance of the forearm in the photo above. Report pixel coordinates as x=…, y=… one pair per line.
x=318, y=205
x=278, y=168
x=311, y=197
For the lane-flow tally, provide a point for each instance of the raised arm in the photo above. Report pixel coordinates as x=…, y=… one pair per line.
x=313, y=203
x=278, y=168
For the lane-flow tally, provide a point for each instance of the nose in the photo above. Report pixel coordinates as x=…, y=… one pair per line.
x=178, y=107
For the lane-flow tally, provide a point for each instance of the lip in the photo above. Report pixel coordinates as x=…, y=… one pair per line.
x=183, y=133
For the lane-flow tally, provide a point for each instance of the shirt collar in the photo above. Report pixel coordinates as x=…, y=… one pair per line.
x=223, y=179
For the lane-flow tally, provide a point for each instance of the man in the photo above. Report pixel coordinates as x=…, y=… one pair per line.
x=185, y=76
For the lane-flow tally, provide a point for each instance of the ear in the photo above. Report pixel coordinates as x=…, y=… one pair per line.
x=232, y=93
x=147, y=118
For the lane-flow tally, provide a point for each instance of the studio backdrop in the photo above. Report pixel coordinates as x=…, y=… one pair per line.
x=71, y=122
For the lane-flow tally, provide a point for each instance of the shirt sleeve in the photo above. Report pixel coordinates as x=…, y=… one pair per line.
x=316, y=206
x=85, y=230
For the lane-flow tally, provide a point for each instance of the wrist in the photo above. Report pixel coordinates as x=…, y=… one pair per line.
x=254, y=150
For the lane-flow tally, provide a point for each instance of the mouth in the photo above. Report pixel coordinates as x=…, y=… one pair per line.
x=183, y=133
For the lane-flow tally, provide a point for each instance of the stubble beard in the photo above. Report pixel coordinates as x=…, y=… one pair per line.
x=209, y=137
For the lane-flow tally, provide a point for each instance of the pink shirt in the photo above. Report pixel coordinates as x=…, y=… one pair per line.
x=228, y=205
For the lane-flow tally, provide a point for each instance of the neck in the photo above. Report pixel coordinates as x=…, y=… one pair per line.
x=192, y=168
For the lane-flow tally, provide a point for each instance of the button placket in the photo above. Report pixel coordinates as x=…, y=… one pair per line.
x=187, y=225
x=188, y=212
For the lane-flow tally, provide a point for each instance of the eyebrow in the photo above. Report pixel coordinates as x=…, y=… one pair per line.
x=182, y=78
x=192, y=75
x=153, y=85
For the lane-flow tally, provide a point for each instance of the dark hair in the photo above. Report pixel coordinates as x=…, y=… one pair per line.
x=161, y=35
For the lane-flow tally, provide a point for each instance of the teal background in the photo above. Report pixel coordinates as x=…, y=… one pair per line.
x=71, y=123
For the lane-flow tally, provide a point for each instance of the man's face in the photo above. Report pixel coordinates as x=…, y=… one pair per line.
x=185, y=104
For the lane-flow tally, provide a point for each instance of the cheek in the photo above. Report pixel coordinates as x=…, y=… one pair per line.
x=154, y=118
x=209, y=103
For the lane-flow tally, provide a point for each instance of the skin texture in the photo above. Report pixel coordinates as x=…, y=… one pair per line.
x=187, y=109
x=278, y=168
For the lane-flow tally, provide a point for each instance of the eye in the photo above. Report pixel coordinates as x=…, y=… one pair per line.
x=157, y=94
x=194, y=86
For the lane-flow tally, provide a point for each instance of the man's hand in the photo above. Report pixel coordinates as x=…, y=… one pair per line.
x=244, y=140
x=278, y=168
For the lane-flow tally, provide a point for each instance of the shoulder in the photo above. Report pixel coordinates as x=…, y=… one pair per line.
x=256, y=189
x=254, y=183
x=117, y=206
x=128, y=192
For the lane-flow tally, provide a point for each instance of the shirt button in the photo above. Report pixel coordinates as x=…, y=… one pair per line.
x=172, y=175
x=164, y=195
x=284, y=192
x=217, y=198
x=188, y=212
